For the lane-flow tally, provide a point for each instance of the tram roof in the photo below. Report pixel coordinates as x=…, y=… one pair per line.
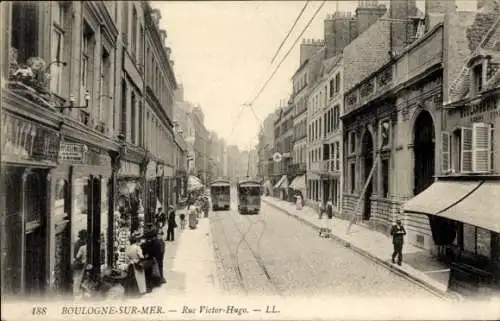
x=220, y=182
x=249, y=182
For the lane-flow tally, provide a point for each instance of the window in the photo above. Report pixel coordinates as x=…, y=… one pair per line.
x=124, y=108
x=336, y=117
x=352, y=142
x=141, y=125
x=476, y=240
x=57, y=48
x=332, y=87
x=352, y=176
x=87, y=67
x=385, y=132
x=24, y=36
x=469, y=150
x=134, y=34
x=478, y=79
x=133, y=107
x=337, y=83
x=105, y=97
x=141, y=49
x=337, y=156
x=385, y=178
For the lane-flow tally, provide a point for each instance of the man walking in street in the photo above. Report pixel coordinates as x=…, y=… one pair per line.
x=398, y=232
x=171, y=224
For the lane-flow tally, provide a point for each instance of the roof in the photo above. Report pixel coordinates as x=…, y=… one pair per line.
x=302, y=66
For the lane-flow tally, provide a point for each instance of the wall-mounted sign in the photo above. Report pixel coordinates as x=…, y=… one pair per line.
x=130, y=169
x=151, y=169
x=73, y=152
x=277, y=157
x=26, y=140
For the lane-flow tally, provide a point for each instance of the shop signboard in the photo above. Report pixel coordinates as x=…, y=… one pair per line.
x=73, y=152
x=130, y=169
x=23, y=139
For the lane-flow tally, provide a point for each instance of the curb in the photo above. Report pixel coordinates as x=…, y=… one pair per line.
x=429, y=287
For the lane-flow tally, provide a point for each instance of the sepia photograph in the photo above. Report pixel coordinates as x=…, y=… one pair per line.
x=253, y=160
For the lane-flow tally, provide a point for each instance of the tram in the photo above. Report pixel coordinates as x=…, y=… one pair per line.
x=249, y=191
x=220, y=192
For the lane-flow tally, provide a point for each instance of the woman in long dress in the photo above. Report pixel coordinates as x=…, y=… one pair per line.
x=136, y=276
x=298, y=201
x=79, y=268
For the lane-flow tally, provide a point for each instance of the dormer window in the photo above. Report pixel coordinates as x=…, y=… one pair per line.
x=478, y=78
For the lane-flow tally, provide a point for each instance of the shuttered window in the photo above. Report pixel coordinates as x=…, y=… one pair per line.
x=481, y=152
x=445, y=152
x=466, y=148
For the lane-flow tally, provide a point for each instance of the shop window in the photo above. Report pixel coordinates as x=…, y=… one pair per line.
x=104, y=244
x=61, y=200
x=79, y=230
x=470, y=149
x=476, y=240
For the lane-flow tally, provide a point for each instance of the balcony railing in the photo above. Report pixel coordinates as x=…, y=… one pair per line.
x=331, y=166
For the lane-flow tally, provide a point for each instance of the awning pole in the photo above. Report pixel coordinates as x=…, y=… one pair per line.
x=360, y=200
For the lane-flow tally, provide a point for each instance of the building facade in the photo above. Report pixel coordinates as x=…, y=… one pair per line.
x=283, y=145
x=265, y=148
x=79, y=179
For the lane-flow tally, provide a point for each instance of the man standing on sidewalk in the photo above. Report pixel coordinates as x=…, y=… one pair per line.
x=398, y=232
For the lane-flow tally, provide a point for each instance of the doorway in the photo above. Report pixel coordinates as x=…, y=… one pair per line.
x=423, y=152
x=367, y=159
x=35, y=235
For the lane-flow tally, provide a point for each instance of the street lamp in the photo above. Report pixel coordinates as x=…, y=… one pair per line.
x=72, y=100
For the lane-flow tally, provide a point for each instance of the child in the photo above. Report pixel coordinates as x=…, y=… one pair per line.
x=183, y=220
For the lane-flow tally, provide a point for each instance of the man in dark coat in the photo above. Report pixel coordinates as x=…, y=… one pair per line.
x=161, y=218
x=398, y=232
x=171, y=224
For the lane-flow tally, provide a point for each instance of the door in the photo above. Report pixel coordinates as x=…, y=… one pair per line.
x=367, y=205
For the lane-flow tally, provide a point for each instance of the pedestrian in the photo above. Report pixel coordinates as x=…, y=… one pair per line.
x=161, y=218
x=205, y=206
x=151, y=249
x=398, y=232
x=171, y=224
x=136, y=279
x=182, y=218
x=329, y=208
x=321, y=209
x=298, y=201
x=161, y=254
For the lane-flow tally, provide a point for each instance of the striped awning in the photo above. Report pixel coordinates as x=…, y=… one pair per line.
x=282, y=183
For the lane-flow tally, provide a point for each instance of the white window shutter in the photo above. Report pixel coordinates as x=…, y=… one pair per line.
x=481, y=151
x=445, y=152
x=466, y=148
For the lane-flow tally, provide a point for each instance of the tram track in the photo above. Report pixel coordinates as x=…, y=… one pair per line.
x=234, y=253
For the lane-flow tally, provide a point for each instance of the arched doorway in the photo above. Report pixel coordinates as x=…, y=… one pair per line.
x=423, y=152
x=367, y=161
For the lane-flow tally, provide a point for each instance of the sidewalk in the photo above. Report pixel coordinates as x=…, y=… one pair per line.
x=418, y=265
x=189, y=264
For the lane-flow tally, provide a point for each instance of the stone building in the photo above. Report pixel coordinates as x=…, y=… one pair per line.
x=81, y=167
x=265, y=147
x=461, y=205
x=283, y=144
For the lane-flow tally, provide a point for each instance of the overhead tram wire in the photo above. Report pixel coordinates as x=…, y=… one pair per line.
x=237, y=120
x=288, y=52
x=290, y=31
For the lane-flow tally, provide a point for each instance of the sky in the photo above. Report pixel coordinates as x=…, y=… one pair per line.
x=222, y=54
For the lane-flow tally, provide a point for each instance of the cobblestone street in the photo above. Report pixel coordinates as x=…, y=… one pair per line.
x=283, y=256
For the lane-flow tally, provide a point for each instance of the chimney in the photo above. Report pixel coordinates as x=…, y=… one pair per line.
x=403, y=28
x=156, y=16
x=340, y=30
x=163, y=36
x=308, y=48
x=367, y=13
x=436, y=9
x=486, y=5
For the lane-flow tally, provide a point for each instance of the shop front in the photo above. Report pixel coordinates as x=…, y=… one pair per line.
x=84, y=193
x=462, y=205
x=29, y=153
x=129, y=209
x=153, y=188
x=180, y=191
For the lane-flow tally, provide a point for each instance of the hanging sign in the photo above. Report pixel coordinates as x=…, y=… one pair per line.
x=130, y=169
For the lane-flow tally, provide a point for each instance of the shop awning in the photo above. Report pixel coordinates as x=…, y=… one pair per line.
x=194, y=183
x=439, y=196
x=481, y=208
x=474, y=203
x=282, y=183
x=299, y=183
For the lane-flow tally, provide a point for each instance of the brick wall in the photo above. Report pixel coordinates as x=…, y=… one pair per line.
x=364, y=55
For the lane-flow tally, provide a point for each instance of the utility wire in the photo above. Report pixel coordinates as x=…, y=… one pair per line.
x=290, y=31
x=288, y=52
x=236, y=122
